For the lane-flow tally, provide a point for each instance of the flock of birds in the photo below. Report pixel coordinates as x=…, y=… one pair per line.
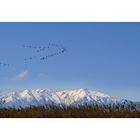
x=41, y=52
x=59, y=49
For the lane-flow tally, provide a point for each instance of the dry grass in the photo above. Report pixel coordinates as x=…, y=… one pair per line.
x=71, y=112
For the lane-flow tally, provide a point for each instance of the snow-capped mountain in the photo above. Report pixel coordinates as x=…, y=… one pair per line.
x=40, y=97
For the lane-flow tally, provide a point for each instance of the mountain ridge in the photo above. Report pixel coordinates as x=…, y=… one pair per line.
x=67, y=98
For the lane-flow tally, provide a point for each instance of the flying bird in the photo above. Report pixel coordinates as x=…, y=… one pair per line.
x=4, y=64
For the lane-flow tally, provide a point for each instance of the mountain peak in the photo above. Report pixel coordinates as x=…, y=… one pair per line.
x=99, y=94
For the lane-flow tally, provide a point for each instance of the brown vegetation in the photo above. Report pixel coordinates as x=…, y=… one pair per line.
x=71, y=112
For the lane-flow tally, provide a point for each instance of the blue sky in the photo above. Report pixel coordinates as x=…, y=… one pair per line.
x=99, y=56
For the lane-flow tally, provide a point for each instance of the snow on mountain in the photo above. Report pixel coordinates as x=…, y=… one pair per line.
x=39, y=97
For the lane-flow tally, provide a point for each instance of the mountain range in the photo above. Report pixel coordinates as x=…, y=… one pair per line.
x=66, y=98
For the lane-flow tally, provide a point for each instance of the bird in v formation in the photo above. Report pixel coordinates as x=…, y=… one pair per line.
x=40, y=49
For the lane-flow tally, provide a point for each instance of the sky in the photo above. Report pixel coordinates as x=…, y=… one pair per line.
x=100, y=56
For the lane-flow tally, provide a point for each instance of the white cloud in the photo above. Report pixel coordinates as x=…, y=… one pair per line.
x=21, y=75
